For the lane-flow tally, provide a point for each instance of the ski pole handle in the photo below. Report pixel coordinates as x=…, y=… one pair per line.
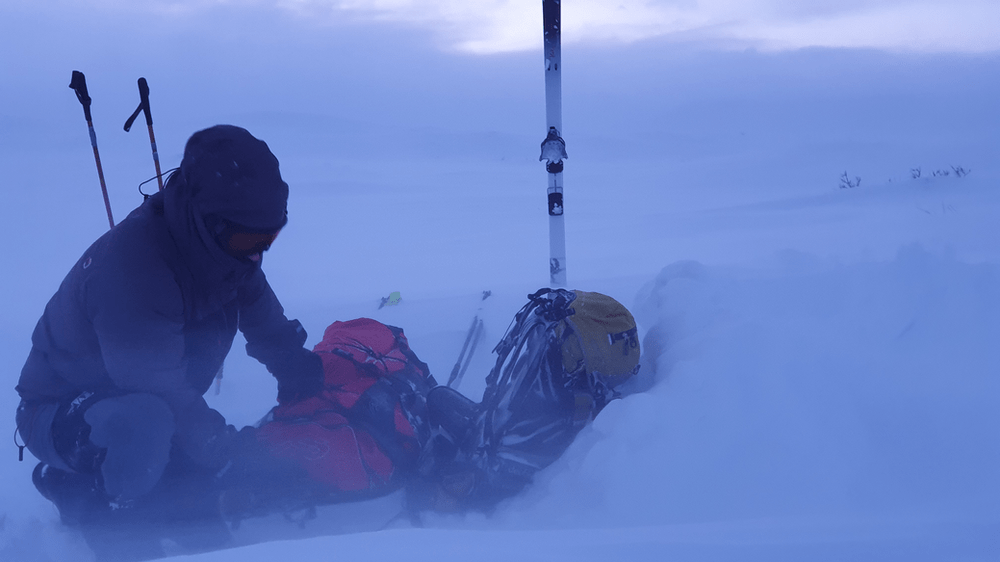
x=144, y=100
x=79, y=85
x=143, y=106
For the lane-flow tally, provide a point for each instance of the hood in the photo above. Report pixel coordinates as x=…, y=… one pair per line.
x=232, y=174
x=229, y=173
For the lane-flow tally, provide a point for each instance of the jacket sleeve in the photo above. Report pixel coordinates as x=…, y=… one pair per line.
x=269, y=334
x=276, y=341
x=139, y=324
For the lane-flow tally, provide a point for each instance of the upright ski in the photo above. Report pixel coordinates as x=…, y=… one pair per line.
x=554, y=147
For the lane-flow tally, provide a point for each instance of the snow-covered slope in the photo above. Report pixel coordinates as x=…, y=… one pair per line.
x=820, y=378
x=800, y=406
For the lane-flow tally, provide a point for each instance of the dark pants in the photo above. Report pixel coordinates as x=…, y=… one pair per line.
x=123, y=439
x=112, y=472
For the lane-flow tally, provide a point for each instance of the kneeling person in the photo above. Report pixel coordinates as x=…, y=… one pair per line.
x=112, y=389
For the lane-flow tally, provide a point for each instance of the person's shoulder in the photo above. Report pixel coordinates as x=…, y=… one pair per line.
x=134, y=256
x=144, y=224
x=143, y=235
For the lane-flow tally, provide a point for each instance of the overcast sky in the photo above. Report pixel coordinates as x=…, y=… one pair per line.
x=380, y=79
x=694, y=97
x=490, y=26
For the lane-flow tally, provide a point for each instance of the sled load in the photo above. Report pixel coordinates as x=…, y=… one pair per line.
x=382, y=422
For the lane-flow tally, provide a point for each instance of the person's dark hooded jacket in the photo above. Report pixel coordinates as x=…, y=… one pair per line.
x=154, y=304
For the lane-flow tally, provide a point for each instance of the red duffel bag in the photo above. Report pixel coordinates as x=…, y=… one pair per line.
x=364, y=433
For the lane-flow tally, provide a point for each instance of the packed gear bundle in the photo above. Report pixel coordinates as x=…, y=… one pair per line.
x=383, y=423
x=557, y=368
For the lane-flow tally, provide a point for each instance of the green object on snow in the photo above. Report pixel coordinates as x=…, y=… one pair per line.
x=392, y=300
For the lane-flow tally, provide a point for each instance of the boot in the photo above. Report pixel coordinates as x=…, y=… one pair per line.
x=78, y=497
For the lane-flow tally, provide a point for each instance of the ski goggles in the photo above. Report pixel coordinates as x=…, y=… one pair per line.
x=241, y=241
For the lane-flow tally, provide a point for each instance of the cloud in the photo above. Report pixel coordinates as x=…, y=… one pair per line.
x=492, y=26
x=489, y=26
x=959, y=26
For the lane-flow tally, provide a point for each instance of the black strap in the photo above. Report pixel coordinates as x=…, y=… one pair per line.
x=20, y=446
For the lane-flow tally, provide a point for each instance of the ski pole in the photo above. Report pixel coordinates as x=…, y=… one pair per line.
x=554, y=147
x=473, y=337
x=463, y=361
x=79, y=85
x=144, y=107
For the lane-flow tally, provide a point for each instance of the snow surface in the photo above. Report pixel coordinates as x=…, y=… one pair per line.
x=821, y=374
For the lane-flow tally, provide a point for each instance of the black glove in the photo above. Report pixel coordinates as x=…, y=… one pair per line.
x=300, y=375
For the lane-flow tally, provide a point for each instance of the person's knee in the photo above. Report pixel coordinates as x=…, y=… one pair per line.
x=34, y=425
x=136, y=431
